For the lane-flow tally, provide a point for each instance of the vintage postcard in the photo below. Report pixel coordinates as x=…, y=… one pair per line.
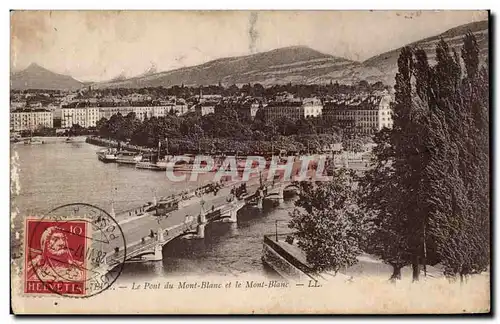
x=250, y=162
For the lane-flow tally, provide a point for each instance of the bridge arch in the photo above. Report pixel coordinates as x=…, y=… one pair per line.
x=291, y=186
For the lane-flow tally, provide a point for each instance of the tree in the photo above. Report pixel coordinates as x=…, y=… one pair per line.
x=285, y=126
x=392, y=192
x=327, y=222
x=410, y=158
x=76, y=130
x=427, y=195
x=459, y=212
x=378, y=193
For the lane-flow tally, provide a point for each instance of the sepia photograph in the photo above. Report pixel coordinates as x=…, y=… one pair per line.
x=250, y=162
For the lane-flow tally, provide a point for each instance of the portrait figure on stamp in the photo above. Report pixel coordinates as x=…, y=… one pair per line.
x=55, y=257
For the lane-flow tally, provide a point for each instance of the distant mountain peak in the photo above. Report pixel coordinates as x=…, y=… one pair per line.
x=120, y=77
x=37, y=77
x=295, y=47
x=297, y=63
x=35, y=66
x=153, y=69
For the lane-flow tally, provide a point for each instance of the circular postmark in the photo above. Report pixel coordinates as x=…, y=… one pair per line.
x=75, y=250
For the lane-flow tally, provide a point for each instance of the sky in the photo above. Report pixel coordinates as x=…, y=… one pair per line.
x=100, y=45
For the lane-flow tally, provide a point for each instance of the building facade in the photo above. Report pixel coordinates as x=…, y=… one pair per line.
x=366, y=113
x=205, y=108
x=385, y=114
x=312, y=107
x=293, y=109
x=248, y=110
x=88, y=116
x=141, y=112
x=83, y=116
x=181, y=108
x=24, y=119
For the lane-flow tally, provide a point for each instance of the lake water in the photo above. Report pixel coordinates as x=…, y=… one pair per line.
x=54, y=174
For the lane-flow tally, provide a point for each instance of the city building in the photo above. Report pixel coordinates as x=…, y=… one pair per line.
x=366, y=113
x=293, y=109
x=205, y=108
x=312, y=107
x=83, y=116
x=107, y=112
x=181, y=107
x=141, y=112
x=30, y=119
x=88, y=116
x=249, y=109
x=162, y=111
x=17, y=104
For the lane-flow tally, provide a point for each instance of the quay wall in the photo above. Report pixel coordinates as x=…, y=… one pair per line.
x=94, y=140
x=54, y=139
x=284, y=263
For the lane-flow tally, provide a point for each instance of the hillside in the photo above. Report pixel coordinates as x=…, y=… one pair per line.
x=297, y=64
x=37, y=77
x=383, y=67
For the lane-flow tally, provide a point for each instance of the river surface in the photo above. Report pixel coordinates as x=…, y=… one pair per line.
x=50, y=175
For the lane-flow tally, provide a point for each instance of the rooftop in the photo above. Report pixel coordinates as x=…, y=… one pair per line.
x=27, y=110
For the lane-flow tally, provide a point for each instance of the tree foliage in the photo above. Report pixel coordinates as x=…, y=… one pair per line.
x=223, y=131
x=327, y=223
x=427, y=194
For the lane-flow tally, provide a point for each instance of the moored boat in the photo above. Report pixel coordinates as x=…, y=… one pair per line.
x=125, y=157
x=152, y=161
x=149, y=165
x=107, y=155
x=33, y=141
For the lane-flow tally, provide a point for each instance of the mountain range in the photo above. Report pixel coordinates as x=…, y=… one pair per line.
x=37, y=77
x=296, y=64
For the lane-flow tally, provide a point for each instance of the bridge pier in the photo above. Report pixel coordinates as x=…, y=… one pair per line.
x=260, y=202
x=202, y=218
x=200, y=231
x=233, y=216
x=281, y=195
x=161, y=235
x=158, y=255
x=158, y=252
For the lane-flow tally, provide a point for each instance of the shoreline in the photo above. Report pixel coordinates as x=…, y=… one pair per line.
x=53, y=139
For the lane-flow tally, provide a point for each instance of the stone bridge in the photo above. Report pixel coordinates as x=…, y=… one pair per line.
x=148, y=244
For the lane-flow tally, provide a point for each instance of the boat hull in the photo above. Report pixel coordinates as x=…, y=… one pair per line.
x=106, y=158
x=33, y=142
x=150, y=166
x=126, y=161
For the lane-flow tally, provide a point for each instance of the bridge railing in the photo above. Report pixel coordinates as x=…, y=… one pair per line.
x=147, y=242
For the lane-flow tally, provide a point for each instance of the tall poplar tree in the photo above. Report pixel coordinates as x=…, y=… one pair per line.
x=428, y=193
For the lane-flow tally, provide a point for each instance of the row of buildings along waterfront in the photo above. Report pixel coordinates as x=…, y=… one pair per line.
x=366, y=112
x=89, y=116
x=69, y=115
x=30, y=119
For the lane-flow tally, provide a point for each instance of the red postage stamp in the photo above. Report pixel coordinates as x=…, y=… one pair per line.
x=55, y=257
